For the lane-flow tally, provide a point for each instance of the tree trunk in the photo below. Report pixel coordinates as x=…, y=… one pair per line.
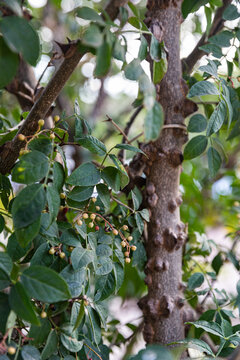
x=166, y=234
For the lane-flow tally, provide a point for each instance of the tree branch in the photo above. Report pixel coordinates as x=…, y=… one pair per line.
x=217, y=25
x=9, y=151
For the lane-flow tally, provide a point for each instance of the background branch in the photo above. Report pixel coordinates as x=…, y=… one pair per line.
x=217, y=25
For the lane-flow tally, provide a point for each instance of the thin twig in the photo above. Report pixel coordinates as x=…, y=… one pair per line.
x=120, y=203
x=93, y=351
x=136, y=137
x=118, y=128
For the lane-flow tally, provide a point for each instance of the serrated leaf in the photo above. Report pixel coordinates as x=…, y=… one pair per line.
x=195, y=281
x=85, y=175
x=45, y=284
x=217, y=119
x=153, y=122
x=195, y=147
x=212, y=48
x=208, y=326
x=202, y=88
x=21, y=37
x=31, y=168
x=21, y=304
x=197, y=123
x=28, y=205
x=92, y=144
x=222, y=39
x=112, y=177
x=210, y=68
x=214, y=161
x=129, y=147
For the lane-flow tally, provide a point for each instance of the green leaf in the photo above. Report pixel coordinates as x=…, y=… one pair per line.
x=217, y=119
x=103, y=60
x=53, y=200
x=195, y=147
x=119, y=51
x=2, y=223
x=129, y=147
x=155, y=49
x=189, y=6
x=203, y=88
x=133, y=70
x=139, y=221
x=142, y=53
x=89, y=14
x=145, y=214
x=31, y=168
x=102, y=313
x=136, y=198
x=21, y=305
x=195, y=281
x=28, y=205
x=14, y=5
x=29, y=352
x=95, y=324
x=134, y=9
x=26, y=234
x=15, y=251
x=4, y=311
x=44, y=284
x=50, y=346
x=214, y=161
x=69, y=339
x=104, y=266
x=8, y=64
x=41, y=144
x=80, y=315
x=153, y=122
x=92, y=144
x=159, y=70
x=5, y=263
x=208, y=14
x=210, y=68
x=58, y=176
x=197, y=123
x=208, y=326
x=85, y=175
x=81, y=193
x=217, y=263
x=119, y=276
x=231, y=13
x=21, y=37
x=198, y=345
x=154, y=352
x=212, y=48
x=104, y=195
x=81, y=258
x=74, y=279
x=93, y=36
x=222, y=39
x=103, y=250
x=112, y=177
x=104, y=287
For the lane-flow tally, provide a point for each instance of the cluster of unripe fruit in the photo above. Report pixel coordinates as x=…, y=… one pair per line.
x=55, y=250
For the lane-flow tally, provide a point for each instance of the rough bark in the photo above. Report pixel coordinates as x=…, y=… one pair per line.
x=166, y=234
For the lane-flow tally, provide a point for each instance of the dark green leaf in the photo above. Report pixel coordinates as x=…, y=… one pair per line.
x=198, y=345
x=41, y=144
x=44, y=284
x=29, y=352
x=112, y=177
x=154, y=352
x=21, y=305
x=136, y=198
x=195, y=281
x=14, y=5
x=53, y=200
x=159, y=70
x=89, y=14
x=58, y=176
x=31, y=168
x=104, y=287
x=145, y=214
x=103, y=60
x=4, y=311
x=81, y=313
x=210, y=68
x=28, y=205
x=5, y=263
x=95, y=324
x=21, y=37
x=155, y=49
x=75, y=279
x=212, y=48
x=195, y=147
x=142, y=53
x=203, y=88
x=153, y=122
x=8, y=64
x=92, y=144
x=104, y=195
x=104, y=266
x=133, y=70
x=129, y=147
x=15, y=251
x=93, y=36
x=214, y=161
x=26, y=234
x=197, y=123
x=189, y=6
x=217, y=119
x=102, y=312
x=119, y=275
x=217, y=263
x=69, y=339
x=81, y=258
x=81, y=193
x=119, y=51
x=85, y=175
x=222, y=39
x=231, y=13
x=139, y=221
x=50, y=346
x=209, y=326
